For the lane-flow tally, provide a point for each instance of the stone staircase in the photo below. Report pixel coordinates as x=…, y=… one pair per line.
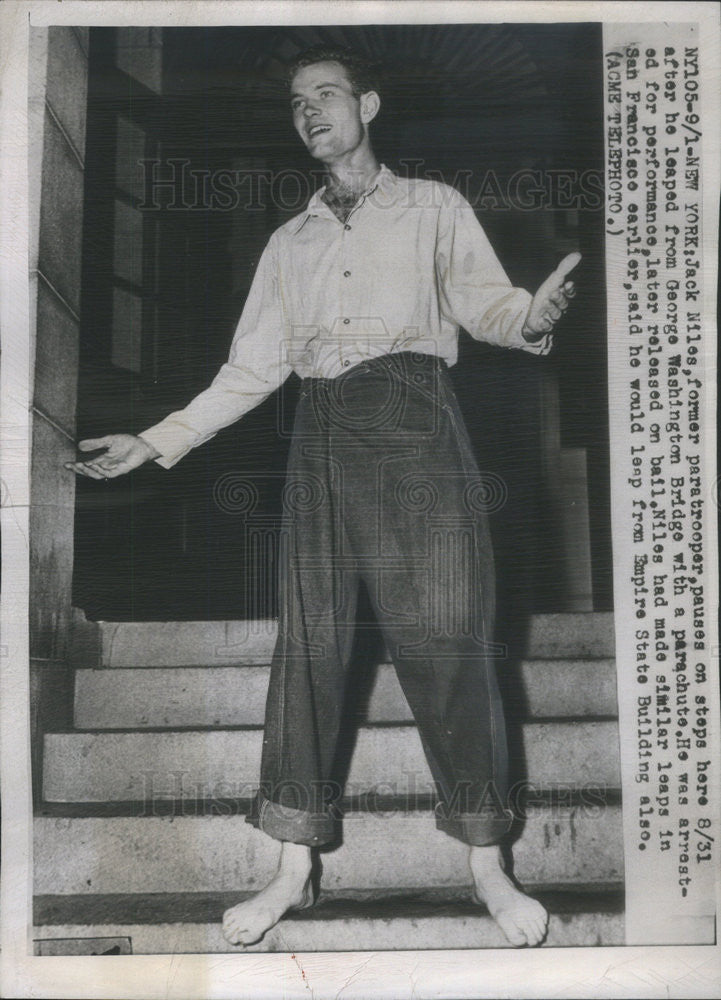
x=141, y=843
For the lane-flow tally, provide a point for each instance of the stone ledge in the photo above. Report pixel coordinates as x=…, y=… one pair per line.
x=196, y=697
x=224, y=763
x=217, y=643
x=557, y=846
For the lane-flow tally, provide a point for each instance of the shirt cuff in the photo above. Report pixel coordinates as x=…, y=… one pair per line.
x=541, y=346
x=172, y=441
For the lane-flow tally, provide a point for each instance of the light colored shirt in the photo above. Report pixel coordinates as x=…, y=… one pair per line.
x=408, y=268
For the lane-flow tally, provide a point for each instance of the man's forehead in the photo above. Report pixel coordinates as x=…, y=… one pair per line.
x=319, y=74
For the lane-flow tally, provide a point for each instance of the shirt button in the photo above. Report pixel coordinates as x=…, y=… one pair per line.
x=346, y=363
x=346, y=274
x=346, y=226
x=346, y=321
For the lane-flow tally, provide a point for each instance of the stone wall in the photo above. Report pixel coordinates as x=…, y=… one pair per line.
x=57, y=116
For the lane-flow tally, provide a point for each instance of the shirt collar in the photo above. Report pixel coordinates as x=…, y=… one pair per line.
x=385, y=180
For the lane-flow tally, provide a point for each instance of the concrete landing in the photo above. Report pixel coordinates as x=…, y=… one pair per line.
x=168, y=924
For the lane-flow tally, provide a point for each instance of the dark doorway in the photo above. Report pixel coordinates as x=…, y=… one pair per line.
x=191, y=164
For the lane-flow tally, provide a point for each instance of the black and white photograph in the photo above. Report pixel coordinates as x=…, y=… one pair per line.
x=359, y=523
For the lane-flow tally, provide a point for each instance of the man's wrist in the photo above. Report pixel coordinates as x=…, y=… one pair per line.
x=531, y=336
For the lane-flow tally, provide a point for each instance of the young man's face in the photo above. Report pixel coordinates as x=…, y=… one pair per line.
x=326, y=113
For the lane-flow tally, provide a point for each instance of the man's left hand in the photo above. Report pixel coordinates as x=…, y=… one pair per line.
x=551, y=300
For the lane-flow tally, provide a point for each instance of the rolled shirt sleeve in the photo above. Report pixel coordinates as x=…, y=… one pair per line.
x=257, y=365
x=474, y=290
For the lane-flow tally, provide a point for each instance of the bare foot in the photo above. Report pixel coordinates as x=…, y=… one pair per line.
x=289, y=889
x=523, y=920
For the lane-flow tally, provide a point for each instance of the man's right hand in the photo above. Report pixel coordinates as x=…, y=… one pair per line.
x=124, y=452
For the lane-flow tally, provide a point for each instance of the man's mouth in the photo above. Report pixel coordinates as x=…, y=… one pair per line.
x=316, y=130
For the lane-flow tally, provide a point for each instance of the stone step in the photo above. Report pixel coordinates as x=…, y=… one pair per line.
x=172, y=924
x=207, y=643
x=195, y=697
x=142, y=766
x=399, y=848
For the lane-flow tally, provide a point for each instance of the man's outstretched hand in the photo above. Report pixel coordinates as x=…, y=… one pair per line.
x=123, y=453
x=551, y=300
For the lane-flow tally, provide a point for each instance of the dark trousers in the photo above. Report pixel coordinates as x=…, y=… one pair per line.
x=382, y=486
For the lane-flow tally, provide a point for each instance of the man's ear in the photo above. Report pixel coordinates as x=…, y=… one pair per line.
x=370, y=104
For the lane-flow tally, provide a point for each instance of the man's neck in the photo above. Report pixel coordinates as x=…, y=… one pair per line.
x=351, y=177
x=345, y=183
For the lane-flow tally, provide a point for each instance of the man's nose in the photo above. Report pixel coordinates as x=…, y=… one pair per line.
x=310, y=109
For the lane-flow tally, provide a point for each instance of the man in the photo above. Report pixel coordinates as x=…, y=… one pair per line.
x=363, y=295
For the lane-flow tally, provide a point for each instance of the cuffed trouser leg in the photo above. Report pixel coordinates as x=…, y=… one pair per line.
x=305, y=702
x=391, y=494
x=318, y=589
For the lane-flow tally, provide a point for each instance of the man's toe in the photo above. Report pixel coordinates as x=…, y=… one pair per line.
x=532, y=936
x=537, y=931
x=515, y=934
x=230, y=931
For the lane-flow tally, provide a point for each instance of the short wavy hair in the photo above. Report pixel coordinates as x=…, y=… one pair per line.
x=363, y=74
